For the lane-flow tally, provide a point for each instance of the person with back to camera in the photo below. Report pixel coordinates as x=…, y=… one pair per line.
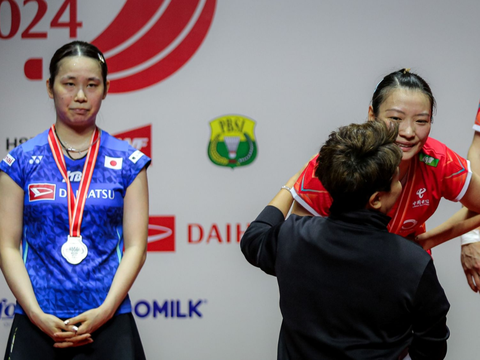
x=429, y=171
x=349, y=289
x=76, y=200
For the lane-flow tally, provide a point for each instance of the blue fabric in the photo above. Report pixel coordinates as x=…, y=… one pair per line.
x=63, y=289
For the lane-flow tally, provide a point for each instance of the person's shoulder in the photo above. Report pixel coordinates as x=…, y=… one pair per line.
x=435, y=155
x=434, y=147
x=32, y=144
x=113, y=143
x=122, y=149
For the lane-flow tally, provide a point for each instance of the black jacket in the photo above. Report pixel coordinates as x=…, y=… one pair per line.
x=348, y=288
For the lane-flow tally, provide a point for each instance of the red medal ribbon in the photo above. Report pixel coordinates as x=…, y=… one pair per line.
x=75, y=205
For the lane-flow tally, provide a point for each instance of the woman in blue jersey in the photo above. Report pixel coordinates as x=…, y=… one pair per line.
x=73, y=198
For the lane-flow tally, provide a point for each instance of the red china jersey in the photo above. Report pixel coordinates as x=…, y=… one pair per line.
x=434, y=173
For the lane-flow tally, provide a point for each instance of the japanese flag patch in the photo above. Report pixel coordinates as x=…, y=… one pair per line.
x=113, y=163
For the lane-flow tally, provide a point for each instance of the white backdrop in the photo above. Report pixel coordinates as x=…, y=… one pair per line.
x=299, y=69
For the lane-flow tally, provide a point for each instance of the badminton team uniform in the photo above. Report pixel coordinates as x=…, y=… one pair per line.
x=435, y=172
x=62, y=288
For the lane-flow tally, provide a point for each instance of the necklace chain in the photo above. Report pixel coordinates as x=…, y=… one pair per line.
x=69, y=149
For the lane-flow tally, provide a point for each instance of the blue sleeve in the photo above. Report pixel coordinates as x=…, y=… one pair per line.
x=135, y=161
x=12, y=165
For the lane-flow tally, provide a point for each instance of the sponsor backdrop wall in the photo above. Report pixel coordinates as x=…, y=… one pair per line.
x=230, y=98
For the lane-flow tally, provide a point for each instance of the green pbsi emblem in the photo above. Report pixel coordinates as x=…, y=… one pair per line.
x=430, y=161
x=232, y=141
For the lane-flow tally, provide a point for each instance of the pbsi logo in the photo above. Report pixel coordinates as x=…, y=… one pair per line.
x=38, y=192
x=232, y=141
x=140, y=138
x=161, y=233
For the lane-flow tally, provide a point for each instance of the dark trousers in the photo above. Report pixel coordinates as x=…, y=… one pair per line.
x=117, y=339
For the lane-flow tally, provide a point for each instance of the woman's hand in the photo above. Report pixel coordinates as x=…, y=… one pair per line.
x=470, y=257
x=63, y=334
x=81, y=327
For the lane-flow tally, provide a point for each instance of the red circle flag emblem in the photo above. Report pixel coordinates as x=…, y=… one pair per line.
x=150, y=41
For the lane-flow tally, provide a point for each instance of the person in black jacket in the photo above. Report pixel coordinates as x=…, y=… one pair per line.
x=348, y=288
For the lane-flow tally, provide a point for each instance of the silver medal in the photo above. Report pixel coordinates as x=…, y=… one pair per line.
x=74, y=250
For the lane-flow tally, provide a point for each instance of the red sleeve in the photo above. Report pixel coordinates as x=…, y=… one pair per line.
x=309, y=192
x=457, y=175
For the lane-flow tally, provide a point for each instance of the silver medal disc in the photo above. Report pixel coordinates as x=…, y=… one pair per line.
x=74, y=250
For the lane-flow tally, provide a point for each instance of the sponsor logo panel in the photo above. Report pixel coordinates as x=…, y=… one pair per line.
x=14, y=142
x=37, y=192
x=215, y=233
x=232, y=141
x=144, y=44
x=140, y=138
x=175, y=308
x=161, y=233
x=7, y=311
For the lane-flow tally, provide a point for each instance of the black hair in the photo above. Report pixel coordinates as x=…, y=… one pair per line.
x=402, y=78
x=77, y=48
x=358, y=160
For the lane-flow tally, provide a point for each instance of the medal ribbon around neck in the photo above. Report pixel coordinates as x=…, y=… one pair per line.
x=75, y=205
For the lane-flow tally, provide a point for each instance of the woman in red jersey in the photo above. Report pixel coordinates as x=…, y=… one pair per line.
x=429, y=170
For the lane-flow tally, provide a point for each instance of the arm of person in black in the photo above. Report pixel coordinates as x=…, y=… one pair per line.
x=430, y=318
x=259, y=243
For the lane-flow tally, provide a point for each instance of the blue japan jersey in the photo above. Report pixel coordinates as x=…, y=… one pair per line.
x=63, y=289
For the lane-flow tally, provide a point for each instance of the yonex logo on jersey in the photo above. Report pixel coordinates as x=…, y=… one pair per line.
x=35, y=159
x=37, y=192
x=9, y=159
x=113, y=163
x=135, y=156
x=420, y=192
x=430, y=161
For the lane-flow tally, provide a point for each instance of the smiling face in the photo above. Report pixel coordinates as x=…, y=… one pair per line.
x=411, y=109
x=78, y=91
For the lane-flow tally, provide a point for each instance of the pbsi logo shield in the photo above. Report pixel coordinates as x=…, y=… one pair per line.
x=232, y=141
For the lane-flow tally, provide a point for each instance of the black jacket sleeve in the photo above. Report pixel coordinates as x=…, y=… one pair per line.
x=430, y=331
x=259, y=242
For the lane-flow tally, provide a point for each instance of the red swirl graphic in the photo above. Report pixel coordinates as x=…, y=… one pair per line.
x=146, y=44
